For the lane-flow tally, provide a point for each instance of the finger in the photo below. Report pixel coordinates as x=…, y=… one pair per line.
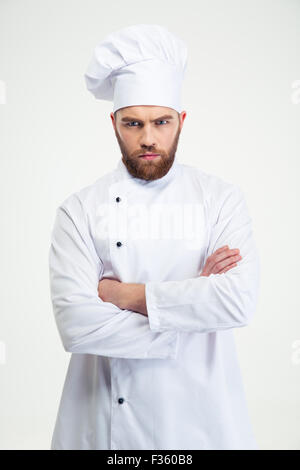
x=225, y=247
x=221, y=257
x=227, y=268
x=219, y=254
x=225, y=262
x=211, y=260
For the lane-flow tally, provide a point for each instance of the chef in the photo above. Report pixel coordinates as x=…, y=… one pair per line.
x=152, y=267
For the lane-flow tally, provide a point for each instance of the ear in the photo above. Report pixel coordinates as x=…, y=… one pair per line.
x=113, y=120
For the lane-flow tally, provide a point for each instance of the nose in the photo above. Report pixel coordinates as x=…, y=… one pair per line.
x=147, y=138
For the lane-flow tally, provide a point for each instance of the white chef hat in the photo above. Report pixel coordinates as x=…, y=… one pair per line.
x=142, y=64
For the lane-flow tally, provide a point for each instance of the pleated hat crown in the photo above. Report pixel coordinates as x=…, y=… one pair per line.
x=141, y=64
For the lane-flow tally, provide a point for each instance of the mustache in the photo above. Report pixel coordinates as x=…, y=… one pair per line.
x=156, y=152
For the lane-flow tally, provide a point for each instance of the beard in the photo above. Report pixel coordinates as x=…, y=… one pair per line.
x=149, y=169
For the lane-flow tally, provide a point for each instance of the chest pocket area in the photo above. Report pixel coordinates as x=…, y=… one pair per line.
x=144, y=242
x=163, y=241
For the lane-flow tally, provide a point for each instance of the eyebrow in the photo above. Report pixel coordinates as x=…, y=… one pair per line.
x=128, y=118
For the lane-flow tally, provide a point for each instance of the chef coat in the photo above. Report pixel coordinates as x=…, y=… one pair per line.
x=169, y=380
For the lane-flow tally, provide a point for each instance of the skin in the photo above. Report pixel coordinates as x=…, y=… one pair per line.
x=148, y=133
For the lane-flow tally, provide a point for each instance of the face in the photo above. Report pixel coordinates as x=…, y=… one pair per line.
x=144, y=130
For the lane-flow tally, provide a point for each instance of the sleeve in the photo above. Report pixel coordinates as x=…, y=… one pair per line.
x=219, y=301
x=87, y=324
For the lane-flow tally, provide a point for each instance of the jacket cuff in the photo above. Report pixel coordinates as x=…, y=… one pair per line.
x=154, y=314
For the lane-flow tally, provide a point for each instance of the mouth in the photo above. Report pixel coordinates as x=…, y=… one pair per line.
x=149, y=156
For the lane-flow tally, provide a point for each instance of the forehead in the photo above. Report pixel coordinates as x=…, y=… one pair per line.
x=145, y=112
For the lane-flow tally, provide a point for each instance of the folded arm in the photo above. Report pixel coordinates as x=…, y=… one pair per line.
x=219, y=301
x=86, y=323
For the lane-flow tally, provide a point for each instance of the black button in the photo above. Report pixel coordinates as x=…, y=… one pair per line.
x=119, y=244
x=120, y=400
x=118, y=199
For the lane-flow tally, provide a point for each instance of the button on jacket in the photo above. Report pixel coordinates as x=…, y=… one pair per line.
x=169, y=380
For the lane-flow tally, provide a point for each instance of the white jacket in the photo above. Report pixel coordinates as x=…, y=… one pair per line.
x=169, y=380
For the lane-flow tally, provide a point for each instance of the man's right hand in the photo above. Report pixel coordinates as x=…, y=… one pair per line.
x=221, y=260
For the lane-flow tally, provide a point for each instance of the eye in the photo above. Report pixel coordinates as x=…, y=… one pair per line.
x=132, y=122
x=128, y=124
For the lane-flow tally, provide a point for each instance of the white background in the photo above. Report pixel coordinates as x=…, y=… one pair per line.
x=242, y=98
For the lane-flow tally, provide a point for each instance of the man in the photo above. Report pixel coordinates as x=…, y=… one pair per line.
x=151, y=269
